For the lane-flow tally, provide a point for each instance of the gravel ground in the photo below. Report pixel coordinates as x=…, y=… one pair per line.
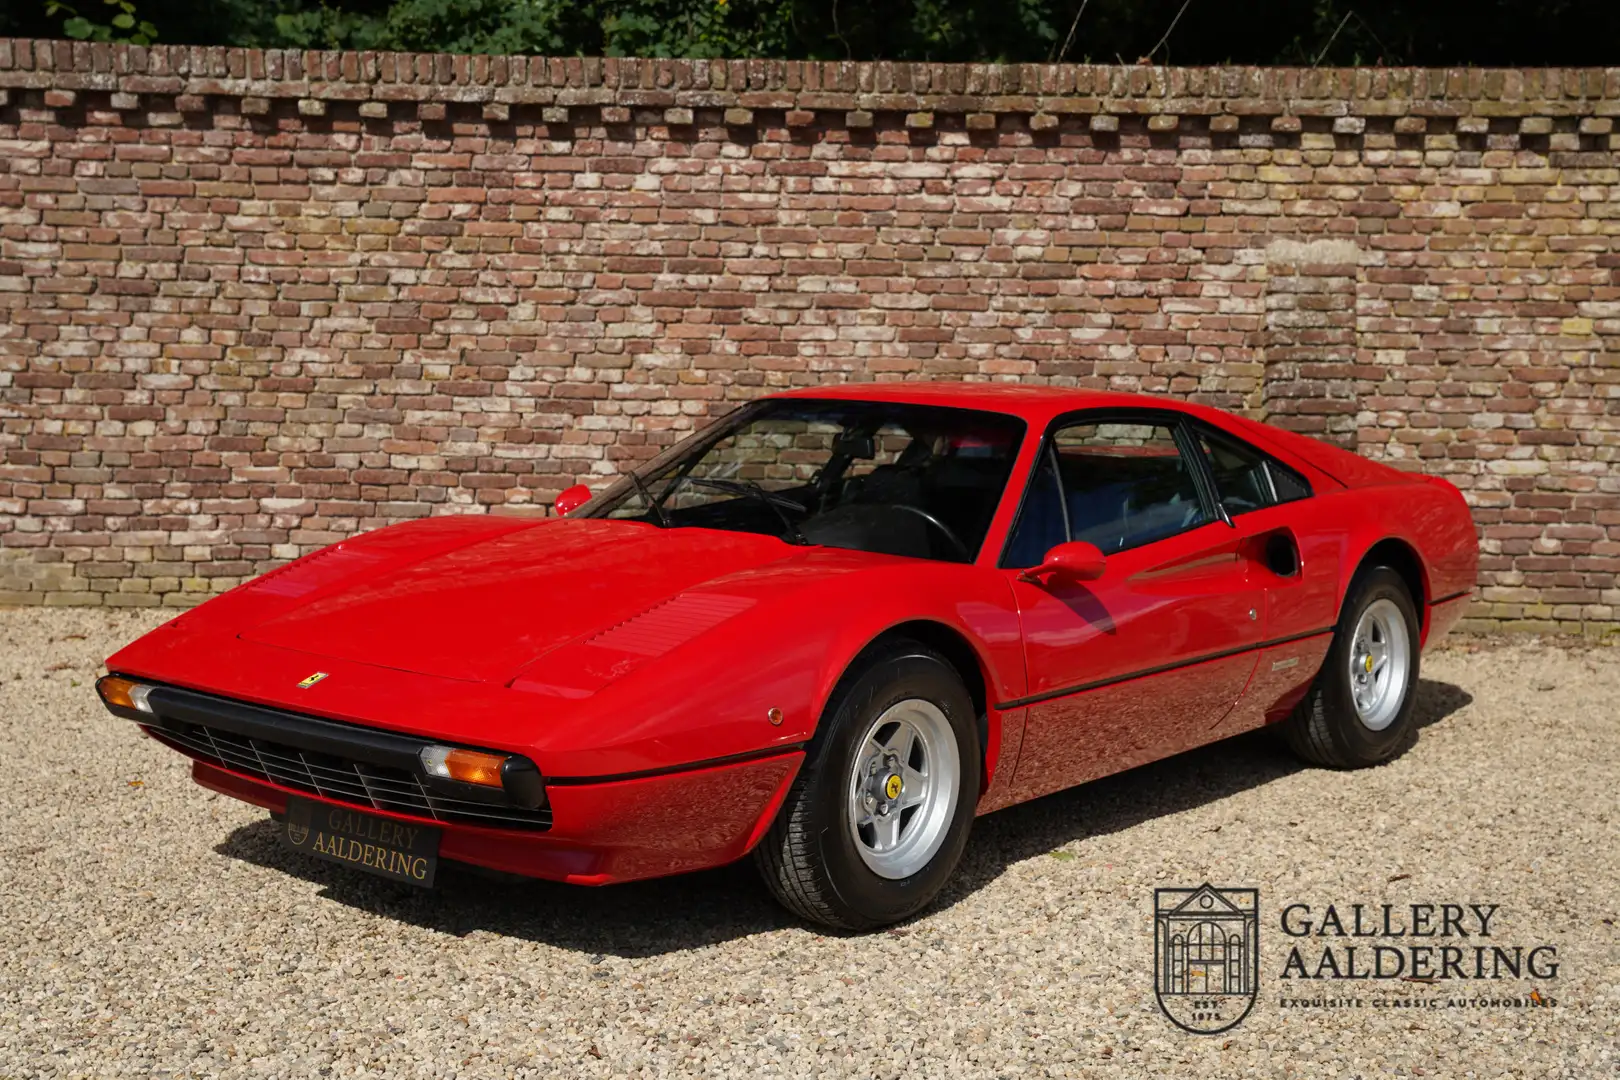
x=152, y=928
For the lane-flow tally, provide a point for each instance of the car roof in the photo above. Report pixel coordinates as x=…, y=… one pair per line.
x=1033, y=403
x=1038, y=406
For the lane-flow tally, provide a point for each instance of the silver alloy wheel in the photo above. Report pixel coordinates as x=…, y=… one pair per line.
x=1380, y=664
x=903, y=788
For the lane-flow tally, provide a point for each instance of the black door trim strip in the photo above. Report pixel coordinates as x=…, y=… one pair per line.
x=1449, y=599
x=1048, y=695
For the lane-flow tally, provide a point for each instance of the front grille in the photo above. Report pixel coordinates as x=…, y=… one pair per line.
x=341, y=779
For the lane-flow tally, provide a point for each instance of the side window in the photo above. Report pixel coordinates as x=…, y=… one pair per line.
x=1125, y=484
x=1116, y=485
x=1245, y=479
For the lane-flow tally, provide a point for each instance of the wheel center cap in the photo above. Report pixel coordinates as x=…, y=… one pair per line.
x=892, y=786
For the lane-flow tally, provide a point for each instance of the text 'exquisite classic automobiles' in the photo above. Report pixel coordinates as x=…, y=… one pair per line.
x=828, y=629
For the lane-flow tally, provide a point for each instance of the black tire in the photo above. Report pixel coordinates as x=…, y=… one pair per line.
x=1325, y=728
x=808, y=858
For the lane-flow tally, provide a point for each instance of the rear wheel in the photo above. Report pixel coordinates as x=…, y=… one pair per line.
x=877, y=818
x=1359, y=710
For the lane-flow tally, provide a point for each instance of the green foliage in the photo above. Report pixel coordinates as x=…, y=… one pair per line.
x=462, y=26
x=1429, y=33
x=705, y=29
x=691, y=28
x=944, y=28
x=125, y=27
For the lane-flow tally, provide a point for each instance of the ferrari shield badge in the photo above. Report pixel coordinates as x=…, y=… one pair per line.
x=311, y=680
x=1206, y=955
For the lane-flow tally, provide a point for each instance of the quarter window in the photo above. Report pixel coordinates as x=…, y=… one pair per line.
x=1286, y=483
x=1245, y=479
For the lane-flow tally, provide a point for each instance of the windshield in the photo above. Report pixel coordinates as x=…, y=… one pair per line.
x=915, y=480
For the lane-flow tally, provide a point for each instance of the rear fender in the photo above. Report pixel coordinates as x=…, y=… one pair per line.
x=1427, y=522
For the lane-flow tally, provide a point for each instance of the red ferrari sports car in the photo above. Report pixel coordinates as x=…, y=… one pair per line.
x=829, y=629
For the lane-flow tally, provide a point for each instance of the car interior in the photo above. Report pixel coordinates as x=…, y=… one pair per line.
x=915, y=481
x=1114, y=492
x=1122, y=491
x=1246, y=478
x=924, y=482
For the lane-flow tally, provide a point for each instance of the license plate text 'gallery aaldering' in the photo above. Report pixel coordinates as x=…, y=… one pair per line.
x=399, y=850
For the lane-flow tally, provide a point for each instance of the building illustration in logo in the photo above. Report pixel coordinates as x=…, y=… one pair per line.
x=1206, y=955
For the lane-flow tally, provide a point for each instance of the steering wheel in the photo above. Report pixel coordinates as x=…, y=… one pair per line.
x=944, y=530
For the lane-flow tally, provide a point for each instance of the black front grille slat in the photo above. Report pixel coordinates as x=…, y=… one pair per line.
x=367, y=786
x=394, y=796
x=432, y=803
x=335, y=778
x=370, y=787
x=314, y=781
x=238, y=758
x=323, y=769
x=281, y=769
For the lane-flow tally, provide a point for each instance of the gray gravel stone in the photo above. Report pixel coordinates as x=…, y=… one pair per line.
x=152, y=928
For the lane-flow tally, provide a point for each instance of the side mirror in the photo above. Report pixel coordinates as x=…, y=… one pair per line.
x=572, y=499
x=1073, y=561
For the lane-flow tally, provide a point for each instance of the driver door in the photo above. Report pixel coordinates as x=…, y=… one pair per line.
x=1142, y=662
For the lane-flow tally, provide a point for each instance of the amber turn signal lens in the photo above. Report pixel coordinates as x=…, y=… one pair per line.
x=124, y=693
x=467, y=766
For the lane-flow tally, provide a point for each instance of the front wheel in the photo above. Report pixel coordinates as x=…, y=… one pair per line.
x=877, y=818
x=1359, y=710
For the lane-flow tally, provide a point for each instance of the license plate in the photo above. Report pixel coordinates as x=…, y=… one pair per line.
x=400, y=850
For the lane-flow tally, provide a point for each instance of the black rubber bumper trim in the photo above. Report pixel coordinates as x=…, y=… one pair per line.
x=307, y=732
x=521, y=780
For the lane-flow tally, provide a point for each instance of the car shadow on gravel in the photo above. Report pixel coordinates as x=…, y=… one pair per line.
x=650, y=918
x=1184, y=782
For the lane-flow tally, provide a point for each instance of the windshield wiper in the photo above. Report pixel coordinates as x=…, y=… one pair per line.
x=771, y=499
x=653, y=507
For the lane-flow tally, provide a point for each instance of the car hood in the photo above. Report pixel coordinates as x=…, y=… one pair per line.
x=484, y=611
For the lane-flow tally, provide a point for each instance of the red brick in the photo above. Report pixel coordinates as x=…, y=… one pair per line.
x=259, y=336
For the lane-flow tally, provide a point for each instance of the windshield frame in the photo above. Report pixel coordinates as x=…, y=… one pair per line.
x=695, y=445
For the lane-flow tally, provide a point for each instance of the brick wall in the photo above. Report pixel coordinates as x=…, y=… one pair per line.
x=256, y=301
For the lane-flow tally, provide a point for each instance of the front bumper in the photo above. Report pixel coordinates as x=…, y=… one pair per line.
x=363, y=767
x=603, y=833
x=655, y=817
